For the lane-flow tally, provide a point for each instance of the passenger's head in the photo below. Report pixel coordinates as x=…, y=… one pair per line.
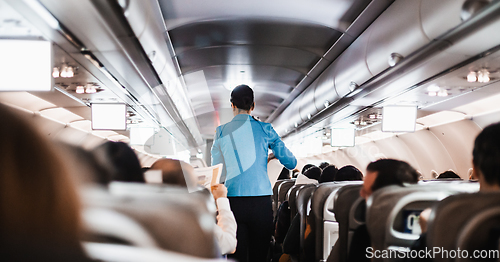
x=323, y=165
x=348, y=173
x=38, y=200
x=121, y=161
x=307, y=166
x=313, y=173
x=448, y=174
x=328, y=174
x=242, y=98
x=176, y=172
x=285, y=174
x=486, y=157
x=386, y=172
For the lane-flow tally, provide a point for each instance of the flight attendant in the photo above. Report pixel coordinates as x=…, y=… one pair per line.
x=242, y=145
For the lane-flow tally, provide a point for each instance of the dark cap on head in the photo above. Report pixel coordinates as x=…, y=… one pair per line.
x=242, y=97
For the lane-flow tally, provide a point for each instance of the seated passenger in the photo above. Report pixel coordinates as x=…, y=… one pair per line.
x=121, y=161
x=379, y=174
x=176, y=172
x=448, y=174
x=486, y=169
x=285, y=174
x=179, y=173
x=39, y=205
x=328, y=174
x=323, y=165
x=311, y=176
x=225, y=232
x=348, y=173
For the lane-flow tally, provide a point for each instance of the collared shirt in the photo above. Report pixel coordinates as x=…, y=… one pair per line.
x=242, y=146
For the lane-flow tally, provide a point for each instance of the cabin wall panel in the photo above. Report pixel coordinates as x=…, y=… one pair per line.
x=458, y=139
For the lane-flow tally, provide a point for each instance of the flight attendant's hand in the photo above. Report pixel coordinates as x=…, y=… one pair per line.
x=219, y=190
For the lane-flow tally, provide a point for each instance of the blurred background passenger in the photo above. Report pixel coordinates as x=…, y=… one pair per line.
x=121, y=161
x=176, y=172
x=225, y=232
x=328, y=174
x=448, y=174
x=311, y=176
x=323, y=165
x=39, y=206
x=307, y=166
x=285, y=174
x=348, y=173
x=379, y=174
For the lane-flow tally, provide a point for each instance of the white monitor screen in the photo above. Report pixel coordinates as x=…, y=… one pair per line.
x=142, y=135
x=342, y=137
x=109, y=116
x=25, y=65
x=399, y=118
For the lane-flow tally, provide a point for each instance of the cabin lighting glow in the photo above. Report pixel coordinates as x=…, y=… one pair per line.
x=483, y=76
x=90, y=89
x=432, y=93
x=67, y=71
x=472, y=77
x=433, y=88
x=80, y=90
x=55, y=72
x=442, y=93
x=342, y=137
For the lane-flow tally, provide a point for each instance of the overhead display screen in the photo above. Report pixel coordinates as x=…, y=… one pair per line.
x=109, y=116
x=342, y=137
x=399, y=118
x=25, y=65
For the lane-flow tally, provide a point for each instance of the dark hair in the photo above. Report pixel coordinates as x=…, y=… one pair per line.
x=285, y=174
x=313, y=173
x=348, y=173
x=242, y=97
x=323, y=165
x=121, y=161
x=328, y=174
x=304, y=169
x=448, y=174
x=486, y=154
x=392, y=172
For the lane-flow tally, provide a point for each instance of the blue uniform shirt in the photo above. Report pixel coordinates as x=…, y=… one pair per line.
x=242, y=146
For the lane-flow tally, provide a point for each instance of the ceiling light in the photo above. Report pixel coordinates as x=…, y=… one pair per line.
x=296, y=125
x=432, y=93
x=90, y=89
x=372, y=116
x=472, y=77
x=363, y=123
x=433, y=88
x=379, y=116
x=442, y=93
x=55, y=72
x=356, y=122
x=309, y=116
x=70, y=72
x=353, y=86
x=80, y=90
x=326, y=103
x=483, y=76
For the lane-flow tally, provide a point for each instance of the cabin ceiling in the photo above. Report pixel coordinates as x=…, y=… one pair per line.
x=269, y=45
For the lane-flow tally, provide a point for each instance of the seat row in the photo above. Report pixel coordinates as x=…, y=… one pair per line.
x=462, y=217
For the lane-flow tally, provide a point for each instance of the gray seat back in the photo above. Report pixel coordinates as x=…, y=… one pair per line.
x=176, y=220
x=322, y=207
x=283, y=191
x=464, y=221
x=275, y=195
x=303, y=204
x=392, y=212
x=343, y=201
